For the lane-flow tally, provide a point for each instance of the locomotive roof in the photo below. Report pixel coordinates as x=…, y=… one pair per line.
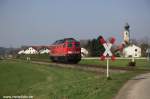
x=63, y=40
x=69, y=38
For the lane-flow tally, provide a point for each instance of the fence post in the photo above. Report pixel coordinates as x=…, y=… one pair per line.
x=107, y=68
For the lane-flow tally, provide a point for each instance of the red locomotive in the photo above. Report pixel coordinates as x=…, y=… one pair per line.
x=65, y=50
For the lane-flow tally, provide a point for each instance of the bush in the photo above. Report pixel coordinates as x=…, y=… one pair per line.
x=132, y=64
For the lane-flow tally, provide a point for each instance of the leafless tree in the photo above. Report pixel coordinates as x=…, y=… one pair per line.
x=144, y=44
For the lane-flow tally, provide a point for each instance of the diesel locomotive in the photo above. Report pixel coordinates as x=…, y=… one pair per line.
x=66, y=50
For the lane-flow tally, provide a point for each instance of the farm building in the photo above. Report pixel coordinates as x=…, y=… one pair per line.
x=44, y=50
x=21, y=52
x=84, y=52
x=132, y=51
x=35, y=50
x=31, y=50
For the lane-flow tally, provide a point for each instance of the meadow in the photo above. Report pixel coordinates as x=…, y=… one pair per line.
x=49, y=82
x=140, y=63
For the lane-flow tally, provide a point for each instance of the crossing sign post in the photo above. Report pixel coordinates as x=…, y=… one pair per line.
x=107, y=54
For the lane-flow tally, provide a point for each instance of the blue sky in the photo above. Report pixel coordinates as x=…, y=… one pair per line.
x=41, y=22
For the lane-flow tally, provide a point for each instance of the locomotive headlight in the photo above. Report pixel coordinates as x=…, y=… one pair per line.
x=70, y=52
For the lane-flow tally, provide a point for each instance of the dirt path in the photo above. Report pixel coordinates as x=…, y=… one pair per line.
x=136, y=88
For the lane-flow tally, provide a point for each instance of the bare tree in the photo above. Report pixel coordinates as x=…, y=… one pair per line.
x=144, y=44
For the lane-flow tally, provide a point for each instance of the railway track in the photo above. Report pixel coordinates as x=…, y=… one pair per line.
x=91, y=68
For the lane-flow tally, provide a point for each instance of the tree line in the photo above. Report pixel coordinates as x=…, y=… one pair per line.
x=94, y=48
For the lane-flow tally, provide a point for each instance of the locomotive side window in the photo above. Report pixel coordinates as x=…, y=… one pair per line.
x=77, y=45
x=69, y=45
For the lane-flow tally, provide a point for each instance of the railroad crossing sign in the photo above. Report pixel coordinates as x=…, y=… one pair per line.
x=107, y=46
x=107, y=53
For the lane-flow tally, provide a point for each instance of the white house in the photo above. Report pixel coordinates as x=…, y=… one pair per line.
x=44, y=50
x=31, y=50
x=132, y=51
x=84, y=52
x=21, y=52
x=148, y=51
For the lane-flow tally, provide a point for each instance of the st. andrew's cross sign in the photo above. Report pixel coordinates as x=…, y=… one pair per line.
x=107, y=46
x=107, y=53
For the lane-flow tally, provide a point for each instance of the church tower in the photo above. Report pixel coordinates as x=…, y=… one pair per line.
x=126, y=34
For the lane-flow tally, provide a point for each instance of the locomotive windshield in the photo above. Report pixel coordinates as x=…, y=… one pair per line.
x=59, y=42
x=64, y=40
x=70, y=40
x=77, y=45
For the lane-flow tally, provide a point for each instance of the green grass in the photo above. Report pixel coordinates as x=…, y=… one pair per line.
x=45, y=82
x=141, y=64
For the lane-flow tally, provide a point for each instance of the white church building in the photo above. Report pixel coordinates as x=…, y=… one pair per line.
x=132, y=51
x=44, y=50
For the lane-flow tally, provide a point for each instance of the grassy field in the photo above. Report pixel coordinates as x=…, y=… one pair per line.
x=141, y=64
x=46, y=82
